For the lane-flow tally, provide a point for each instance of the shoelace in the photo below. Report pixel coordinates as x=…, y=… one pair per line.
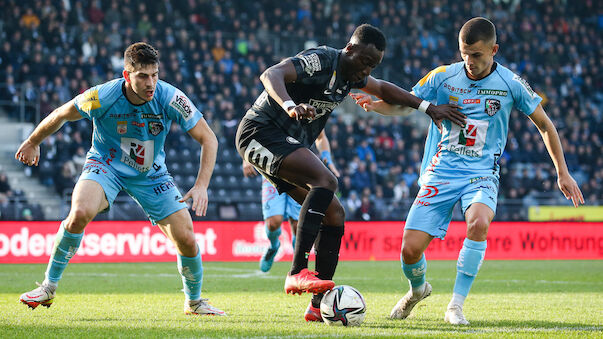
x=44, y=288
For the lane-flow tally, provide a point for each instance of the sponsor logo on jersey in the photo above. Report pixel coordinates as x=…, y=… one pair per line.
x=155, y=127
x=163, y=187
x=492, y=106
x=122, y=127
x=138, y=124
x=137, y=154
x=151, y=116
x=322, y=107
x=122, y=115
x=453, y=99
x=292, y=140
x=181, y=104
x=310, y=63
x=496, y=92
x=428, y=192
x=457, y=90
x=468, y=135
x=471, y=101
x=88, y=100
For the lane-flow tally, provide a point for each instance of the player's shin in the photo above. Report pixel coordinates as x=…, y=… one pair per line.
x=310, y=217
x=327, y=247
x=191, y=269
x=273, y=237
x=415, y=273
x=66, y=245
x=469, y=262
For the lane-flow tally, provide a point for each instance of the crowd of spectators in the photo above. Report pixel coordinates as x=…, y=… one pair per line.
x=215, y=50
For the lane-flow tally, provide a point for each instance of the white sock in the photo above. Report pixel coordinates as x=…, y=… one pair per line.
x=417, y=291
x=457, y=299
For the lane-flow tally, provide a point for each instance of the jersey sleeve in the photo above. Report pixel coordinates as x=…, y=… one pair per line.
x=312, y=64
x=182, y=110
x=426, y=88
x=90, y=103
x=526, y=100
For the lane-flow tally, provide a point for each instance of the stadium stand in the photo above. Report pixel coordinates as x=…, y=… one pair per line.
x=215, y=51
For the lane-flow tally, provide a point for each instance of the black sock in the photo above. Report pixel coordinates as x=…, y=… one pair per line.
x=327, y=247
x=312, y=212
x=316, y=298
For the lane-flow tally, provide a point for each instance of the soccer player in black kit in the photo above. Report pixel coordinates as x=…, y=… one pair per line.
x=276, y=133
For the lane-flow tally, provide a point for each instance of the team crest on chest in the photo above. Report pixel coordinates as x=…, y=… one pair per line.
x=155, y=127
x=492, y=106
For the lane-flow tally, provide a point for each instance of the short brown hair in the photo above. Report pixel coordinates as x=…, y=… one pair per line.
x=478, y=29
x=140, y=54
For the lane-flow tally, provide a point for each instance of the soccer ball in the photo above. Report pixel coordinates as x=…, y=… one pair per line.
x=343, y=305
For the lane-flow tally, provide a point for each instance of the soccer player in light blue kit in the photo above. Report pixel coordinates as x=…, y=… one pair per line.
x=131, y=117
x=278, y=207
x=461, y=163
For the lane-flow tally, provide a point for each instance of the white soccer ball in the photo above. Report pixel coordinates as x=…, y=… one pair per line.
x=343, y=305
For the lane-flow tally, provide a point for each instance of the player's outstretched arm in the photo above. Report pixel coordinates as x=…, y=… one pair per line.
x=274, y=80
x=549, y=134
x=395, y=95
x=324, y=149
x=29, y=151
x=206, y=137
x=379, y=106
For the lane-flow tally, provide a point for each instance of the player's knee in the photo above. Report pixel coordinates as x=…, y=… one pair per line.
x=411, y=254
x=187, y=245
x=274, y=222
x=331, y=182
x=78, y=219
x=477, y=227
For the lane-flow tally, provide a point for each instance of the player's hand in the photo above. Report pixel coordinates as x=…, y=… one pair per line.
x=200, y=200
x=28, y=153
x=302, y=111
x=365, y=101
x=248, y=170
x=446, y=112
x=570, y=189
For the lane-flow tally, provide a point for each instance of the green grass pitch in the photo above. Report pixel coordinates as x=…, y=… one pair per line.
x=510, y=299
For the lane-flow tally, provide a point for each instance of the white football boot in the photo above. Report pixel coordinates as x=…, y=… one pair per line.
x=408, y=302
x=43, y=295
x=201, y=307
x=454, y=315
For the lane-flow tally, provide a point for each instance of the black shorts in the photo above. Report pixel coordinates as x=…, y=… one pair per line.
x=265, y=146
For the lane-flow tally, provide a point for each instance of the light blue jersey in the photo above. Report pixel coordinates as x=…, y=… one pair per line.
x=129, y=138
x=487, y=103
x=127, y=144
x=461, y=164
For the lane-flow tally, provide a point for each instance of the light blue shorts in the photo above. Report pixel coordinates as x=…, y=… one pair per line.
x=431, y=211
x=158, y=196
x=278, y=204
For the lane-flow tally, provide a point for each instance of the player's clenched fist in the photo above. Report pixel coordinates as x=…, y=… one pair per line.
x=302, y=111
x=28, y=153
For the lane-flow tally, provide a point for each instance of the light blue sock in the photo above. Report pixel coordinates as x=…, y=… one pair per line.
x=415, y=273
x=273, y=237
x=468, y=264
x=191, y=269
x=65, y=247
x=293, y=241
